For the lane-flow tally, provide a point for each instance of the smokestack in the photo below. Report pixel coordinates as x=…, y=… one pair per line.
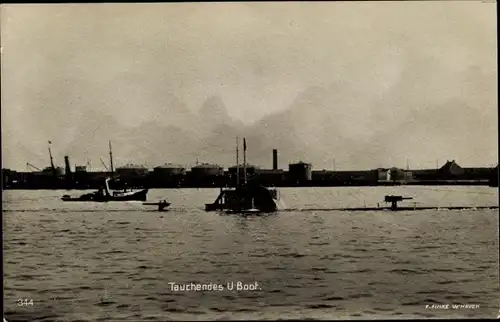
x=66, y=162
x=275, y=159
x=68, y=167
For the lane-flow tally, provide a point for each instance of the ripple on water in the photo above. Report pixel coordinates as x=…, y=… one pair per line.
x=334, y=298
x=320, y=306
x=444, y=270
x=319, y=269
x=319, y=244
x=413, y=303
x=459, y=297
x=361, y=250
x=293, y=255
x=383, y=309
x=348, y=256
x=218, y=309
x=427, y=247
x=364, y=270
x=407, y=271
x=435, y=292
x=445, y=282
x=360, y=295
x=245, y=310
x=33, y=315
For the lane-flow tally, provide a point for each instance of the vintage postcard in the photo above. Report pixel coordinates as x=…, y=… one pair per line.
x=249, y=160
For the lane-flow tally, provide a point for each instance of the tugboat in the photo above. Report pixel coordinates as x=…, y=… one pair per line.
x=248, y=197
x=104, y=195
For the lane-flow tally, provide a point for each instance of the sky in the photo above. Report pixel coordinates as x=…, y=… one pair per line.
x=359, y=74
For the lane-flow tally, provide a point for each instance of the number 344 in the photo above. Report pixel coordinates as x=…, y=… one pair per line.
x=25, y=302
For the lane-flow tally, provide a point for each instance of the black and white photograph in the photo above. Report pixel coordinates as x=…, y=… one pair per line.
x=185, y=161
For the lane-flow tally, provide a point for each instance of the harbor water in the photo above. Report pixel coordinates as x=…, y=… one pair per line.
x=66, y=261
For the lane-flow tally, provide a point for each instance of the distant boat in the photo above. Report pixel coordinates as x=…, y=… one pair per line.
x=162, y=205
x=104, y=195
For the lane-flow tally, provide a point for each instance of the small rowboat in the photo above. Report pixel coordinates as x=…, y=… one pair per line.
x=162, y=205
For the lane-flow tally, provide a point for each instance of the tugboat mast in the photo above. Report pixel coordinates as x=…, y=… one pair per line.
x=245, y=160
x=111, y=159
x=237, y=164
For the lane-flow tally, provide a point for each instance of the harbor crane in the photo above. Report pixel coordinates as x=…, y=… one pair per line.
x=30, y=166
x=52, y=166
x=104, y=164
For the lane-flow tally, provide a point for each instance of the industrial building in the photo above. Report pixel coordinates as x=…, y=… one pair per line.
x=356, y=178
x=322, y=177
x=207, y=170
x=250, y=169
x=271, y=177
x=396, y=174
x=299, y=173
x=493, y=181
x=451, y=170
x=169, y=171
x=129, y=175
x=131, y=171
x=168, y=174
x=206, y=175
x=57, y=172
x=383, y=174
x=80, y=168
